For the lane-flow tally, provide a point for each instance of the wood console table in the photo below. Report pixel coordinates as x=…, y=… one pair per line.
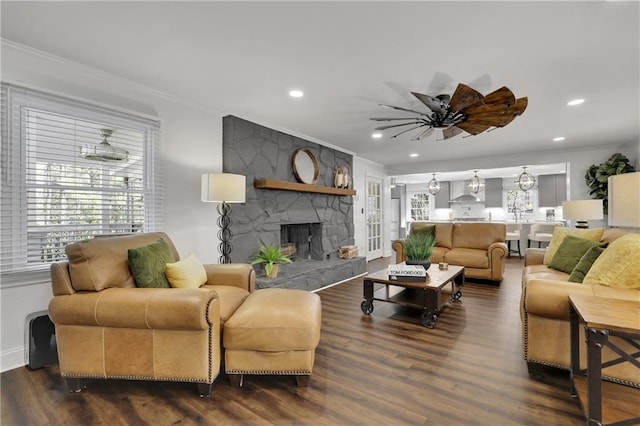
x=604, y=402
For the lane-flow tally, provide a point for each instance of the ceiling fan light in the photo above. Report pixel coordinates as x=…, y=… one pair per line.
x=434, y=185
x=476, y=184
x=525, y=181
x=104, y=151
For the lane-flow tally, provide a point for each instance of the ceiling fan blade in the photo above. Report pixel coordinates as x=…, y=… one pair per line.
x=408, y=130
x=393, y=119
x=403, y=109
x=398, y=125
x=516, y=111
x=502, y=96
x=451, y=132
x=497, y=108
x=521, y=105
x=434, y=104
x=464, y=97
x=472, y=128
x=427, y=132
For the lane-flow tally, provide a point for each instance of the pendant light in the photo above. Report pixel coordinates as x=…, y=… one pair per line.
x=476, y=184
x=434, y=185
x=525, y=181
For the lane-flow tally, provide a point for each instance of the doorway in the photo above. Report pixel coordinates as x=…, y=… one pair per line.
x=374, y=218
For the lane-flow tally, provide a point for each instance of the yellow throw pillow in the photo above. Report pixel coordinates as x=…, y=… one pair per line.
x=187, y=273
x=619, y=265
x=560, y=232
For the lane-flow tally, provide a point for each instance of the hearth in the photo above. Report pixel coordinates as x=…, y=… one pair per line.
x=305, y=237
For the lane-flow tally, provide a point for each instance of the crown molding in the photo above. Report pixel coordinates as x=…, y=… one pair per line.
x=282, y=129
x=104, y=76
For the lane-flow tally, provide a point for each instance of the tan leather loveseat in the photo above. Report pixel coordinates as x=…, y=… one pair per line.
x=544, y=310
x=108, y=328
x=479, y=247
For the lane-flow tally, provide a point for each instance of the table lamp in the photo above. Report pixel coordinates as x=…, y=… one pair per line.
x=224, y=188
x=624, y=200
x=582, y=210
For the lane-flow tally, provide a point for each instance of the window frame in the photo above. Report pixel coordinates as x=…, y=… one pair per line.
x=14, y=168
x=427, y=209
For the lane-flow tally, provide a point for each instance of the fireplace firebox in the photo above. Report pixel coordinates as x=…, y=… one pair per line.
x=305, y=237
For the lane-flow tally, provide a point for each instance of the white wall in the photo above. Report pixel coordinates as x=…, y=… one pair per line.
x=361, y=169
x=191, y=144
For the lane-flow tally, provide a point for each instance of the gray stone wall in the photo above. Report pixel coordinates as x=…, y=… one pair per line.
x=259, y=152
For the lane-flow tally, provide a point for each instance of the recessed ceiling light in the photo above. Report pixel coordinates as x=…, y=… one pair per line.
x=575, y=102
x=296, y=93
x=558, y=139
x=413, y=155
x=376, y=135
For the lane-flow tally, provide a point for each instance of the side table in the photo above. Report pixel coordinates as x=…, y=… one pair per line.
x=604, y=402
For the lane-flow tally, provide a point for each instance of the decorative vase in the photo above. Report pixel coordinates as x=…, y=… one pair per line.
x=274, y=271
x=424, y=263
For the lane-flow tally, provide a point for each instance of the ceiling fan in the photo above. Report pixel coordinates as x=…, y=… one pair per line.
x=466, y=110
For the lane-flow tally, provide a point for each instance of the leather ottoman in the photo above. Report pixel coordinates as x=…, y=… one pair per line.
x=274, y=331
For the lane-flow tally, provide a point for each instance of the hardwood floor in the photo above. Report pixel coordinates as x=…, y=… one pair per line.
x=381, y=369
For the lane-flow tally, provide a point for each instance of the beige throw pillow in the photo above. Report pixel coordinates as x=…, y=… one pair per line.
x=619, y=265
x=187, y=273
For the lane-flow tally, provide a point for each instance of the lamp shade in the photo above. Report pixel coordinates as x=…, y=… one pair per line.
x=624, y=200
x=223, y=187
x=582, y=210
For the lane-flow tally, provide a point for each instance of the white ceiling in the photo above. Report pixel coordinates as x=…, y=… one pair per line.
x=348, y=58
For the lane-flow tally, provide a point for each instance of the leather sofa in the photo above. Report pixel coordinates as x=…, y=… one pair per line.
x=479, y=247
x=106, y=327
x=544, y=311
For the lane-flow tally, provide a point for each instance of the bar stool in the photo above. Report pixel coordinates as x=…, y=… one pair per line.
x=513, y=234
x=541, y=232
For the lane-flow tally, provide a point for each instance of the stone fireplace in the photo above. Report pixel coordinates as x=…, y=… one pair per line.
x=317, y=224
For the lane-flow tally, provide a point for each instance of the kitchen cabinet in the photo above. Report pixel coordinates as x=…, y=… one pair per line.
x=493, y=192
x=442, y=198
x=552, y=190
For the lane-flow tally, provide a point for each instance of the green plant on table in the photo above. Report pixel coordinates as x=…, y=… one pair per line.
x=419, y=246
x=269, y=256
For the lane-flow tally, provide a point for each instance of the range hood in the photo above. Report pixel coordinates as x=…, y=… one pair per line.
x=461, y=194
x=466, y=198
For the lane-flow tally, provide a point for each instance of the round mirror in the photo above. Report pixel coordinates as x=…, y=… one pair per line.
x=305, y=166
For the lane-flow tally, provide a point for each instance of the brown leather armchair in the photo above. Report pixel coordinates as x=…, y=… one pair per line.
x=106, y=327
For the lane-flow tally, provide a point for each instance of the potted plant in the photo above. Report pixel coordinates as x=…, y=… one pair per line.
x=270, y=257
x=597, y=176
x=418, y=248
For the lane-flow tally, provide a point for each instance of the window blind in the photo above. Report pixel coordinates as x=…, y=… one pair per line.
x=52, y=195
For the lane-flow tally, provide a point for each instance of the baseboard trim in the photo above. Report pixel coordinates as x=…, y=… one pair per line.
x=12, y=358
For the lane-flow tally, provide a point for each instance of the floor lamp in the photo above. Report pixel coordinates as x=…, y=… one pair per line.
x=624, y=200
x=582, y=210
x=224, y=188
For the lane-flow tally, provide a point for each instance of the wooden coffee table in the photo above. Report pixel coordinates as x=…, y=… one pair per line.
x=426, y=294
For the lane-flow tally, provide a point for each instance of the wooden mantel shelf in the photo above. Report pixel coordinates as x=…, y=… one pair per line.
x=300, y=187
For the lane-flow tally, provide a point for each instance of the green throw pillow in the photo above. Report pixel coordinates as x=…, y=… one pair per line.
x=583, y=266
x=570, y=252
x=424, y=230
x=147, y=264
